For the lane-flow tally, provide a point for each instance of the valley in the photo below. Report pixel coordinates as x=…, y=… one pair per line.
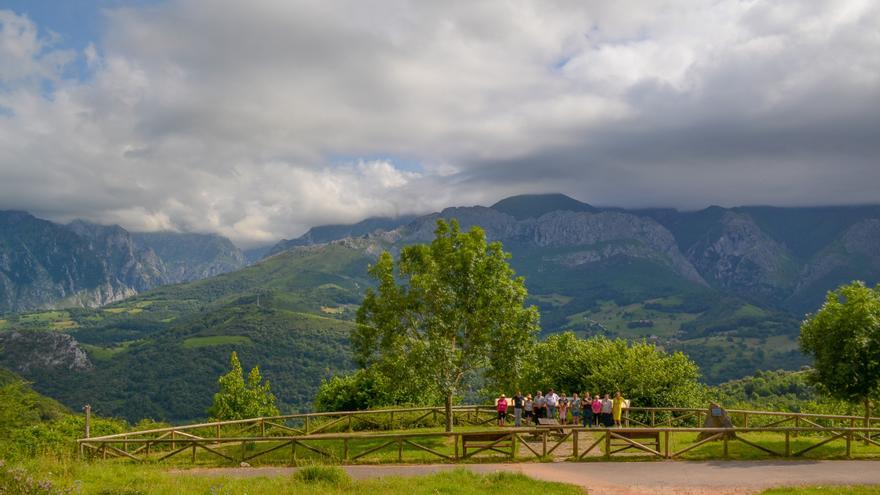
x=721, y=286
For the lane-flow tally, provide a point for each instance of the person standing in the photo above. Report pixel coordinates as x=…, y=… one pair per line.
x=550, y=402
x=540, y=405
x=617, y=408
x=501, y=407
x=575, y=409
x=518, y=403
x=529, y=409
x=607, y=406
x=563, y=409
x=597, y=409
x=587, y=410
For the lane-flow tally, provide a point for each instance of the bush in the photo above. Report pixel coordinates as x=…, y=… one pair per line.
x=332, y=475
x=644, y=373
x=17, y=481
x=366, y=389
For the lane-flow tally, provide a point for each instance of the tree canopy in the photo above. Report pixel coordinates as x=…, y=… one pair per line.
x=450, y=310
x=644, y=373
x=843, y=338
x=240, y=399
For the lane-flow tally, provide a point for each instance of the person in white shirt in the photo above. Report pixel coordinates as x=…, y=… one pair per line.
x=551, y=400
x=607, y=407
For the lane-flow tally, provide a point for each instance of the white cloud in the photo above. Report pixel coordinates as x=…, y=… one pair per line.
x=231, y=116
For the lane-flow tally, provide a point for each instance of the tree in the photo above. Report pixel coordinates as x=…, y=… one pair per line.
x=644, y=373
x=844, y=340
x=238, y=399
x=457, y=311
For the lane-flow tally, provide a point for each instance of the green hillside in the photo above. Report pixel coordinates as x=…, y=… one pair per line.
x=159, y=354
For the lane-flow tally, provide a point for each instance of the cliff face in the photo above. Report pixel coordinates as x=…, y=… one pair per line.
x=779, y=256
x=584, y=237
x=44, y=265
x=189, y=257
x=736, y=255
x=28, y=352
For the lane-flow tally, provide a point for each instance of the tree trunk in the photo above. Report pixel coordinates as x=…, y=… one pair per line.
x=448, y=412
x=867, y=418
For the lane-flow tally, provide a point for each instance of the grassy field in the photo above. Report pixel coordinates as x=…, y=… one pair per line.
x=616, y=319
x=130, y=479
x=196, y=342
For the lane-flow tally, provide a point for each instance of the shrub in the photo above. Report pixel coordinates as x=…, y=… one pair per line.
x=332, y=475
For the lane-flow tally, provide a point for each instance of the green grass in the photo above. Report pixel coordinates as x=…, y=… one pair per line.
x=132, y=479
x=552, y=299
x=100, y=353
x=196, y=342
x=825, y=490
x=615, y=319
x=740, y=451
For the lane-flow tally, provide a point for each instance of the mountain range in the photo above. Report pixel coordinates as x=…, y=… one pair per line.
x=727, y=286
x=45, y=265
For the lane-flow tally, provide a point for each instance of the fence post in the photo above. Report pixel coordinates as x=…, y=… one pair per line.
x=544, y=443
x=653, y=418
x=88, y=410
x=848, y=444
x=745, y=420
x=666, y=441
x=607, y=445
x=787, y=444
x=574, y=443
x=797, y=424
x=262, y=427
x=455, y=438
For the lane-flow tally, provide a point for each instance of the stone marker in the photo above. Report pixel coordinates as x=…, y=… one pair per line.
x=717, y=417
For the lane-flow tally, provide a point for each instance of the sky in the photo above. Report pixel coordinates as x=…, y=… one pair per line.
x=259, y=119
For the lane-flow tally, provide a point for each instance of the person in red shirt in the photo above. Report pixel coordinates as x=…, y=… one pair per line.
x=501, y=406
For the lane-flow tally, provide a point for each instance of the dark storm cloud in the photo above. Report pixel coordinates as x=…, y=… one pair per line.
x=230, y=116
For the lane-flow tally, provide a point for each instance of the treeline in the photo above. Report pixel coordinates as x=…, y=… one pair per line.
x=647, y=375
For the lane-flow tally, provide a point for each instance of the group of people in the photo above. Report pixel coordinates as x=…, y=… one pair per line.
x=585, y=410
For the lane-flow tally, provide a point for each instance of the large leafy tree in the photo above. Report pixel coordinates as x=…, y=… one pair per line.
x=844, y=339
x=450, y=310
x=240, y=399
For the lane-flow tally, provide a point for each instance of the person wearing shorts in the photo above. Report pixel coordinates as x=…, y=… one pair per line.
x=501, y=407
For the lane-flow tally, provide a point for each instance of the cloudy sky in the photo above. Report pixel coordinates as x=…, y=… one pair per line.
x=259, y=119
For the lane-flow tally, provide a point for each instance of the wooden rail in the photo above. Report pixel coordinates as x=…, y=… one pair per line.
x=243, y=440
x=349, y=447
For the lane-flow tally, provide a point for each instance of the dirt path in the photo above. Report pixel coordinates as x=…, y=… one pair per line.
x=626, y=478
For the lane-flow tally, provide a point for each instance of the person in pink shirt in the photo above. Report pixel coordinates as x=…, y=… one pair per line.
x=597, y=409
x=502, y=409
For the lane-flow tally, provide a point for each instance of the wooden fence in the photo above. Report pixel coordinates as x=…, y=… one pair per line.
x=245, y=440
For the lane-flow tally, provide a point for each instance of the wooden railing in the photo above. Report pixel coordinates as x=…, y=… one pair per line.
x=313, y=433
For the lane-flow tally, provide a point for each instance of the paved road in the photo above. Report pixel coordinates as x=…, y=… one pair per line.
x=631, y=478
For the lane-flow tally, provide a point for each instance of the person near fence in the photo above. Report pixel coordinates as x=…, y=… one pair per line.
x=607, y=408
x=563, y=409
x=575, y=409
x=501, y=407
x=529, y=409
x=540, y=405
x=597, y=409
x=551, y=400
x=518, y=403
x=617, y=408
x=587, y=410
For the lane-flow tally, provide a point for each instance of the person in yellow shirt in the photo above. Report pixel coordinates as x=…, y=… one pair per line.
x=617, y=408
